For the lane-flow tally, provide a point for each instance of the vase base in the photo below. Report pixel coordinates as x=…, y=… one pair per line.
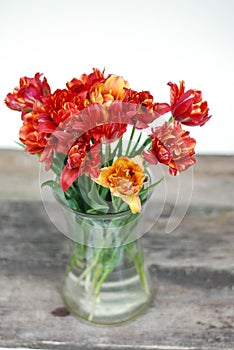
x=118, y=302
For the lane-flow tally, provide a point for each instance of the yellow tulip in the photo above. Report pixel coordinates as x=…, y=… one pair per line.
x=124, y=178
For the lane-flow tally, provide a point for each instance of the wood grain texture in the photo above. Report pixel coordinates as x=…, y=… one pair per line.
x=192, y=269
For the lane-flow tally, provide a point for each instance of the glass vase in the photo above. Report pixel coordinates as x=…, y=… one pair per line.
x=107, y=281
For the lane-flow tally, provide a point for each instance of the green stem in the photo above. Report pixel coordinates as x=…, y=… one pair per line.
x=105, y=274
x=89, y=268
x=120, y=150
x=141, y=272
x=133, y=151
x=107, y=153
x=130, y=140
x=114, y=151
x=97, y=272
x=139, y=265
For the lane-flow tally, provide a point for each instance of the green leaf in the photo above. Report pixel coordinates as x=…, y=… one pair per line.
x=123, y=207
x=104, y=192
x=56, y=167
x=55, y=187
x=144, y=191
x=97, y=202
x=20, y=144
x=64, y=196
x=140, y=149
x=118, y=204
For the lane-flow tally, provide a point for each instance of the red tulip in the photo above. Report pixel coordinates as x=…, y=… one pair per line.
x=34, y=141
x=29, y=91
x=83, y=158
x=102, y=124
x=148, y=110
x=171, y=146
x=56, y=109
x=60, y=141
x=82, y=86
x=187, y=107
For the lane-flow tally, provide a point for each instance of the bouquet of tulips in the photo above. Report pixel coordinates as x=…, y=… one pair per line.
x=99, y=136
x=78, y=132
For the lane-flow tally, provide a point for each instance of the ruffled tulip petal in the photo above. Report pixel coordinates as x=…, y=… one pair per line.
x=172, y=146
x=124, y=178
x=161, y=109
x=29, y=91
x=150, y=157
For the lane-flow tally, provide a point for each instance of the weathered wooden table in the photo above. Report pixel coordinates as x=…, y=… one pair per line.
x=192, y=267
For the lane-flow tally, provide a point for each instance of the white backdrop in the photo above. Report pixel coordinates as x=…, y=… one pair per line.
x=148, y=42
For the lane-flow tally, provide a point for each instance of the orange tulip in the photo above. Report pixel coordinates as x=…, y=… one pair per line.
x=106, y=92
x=124, y=178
